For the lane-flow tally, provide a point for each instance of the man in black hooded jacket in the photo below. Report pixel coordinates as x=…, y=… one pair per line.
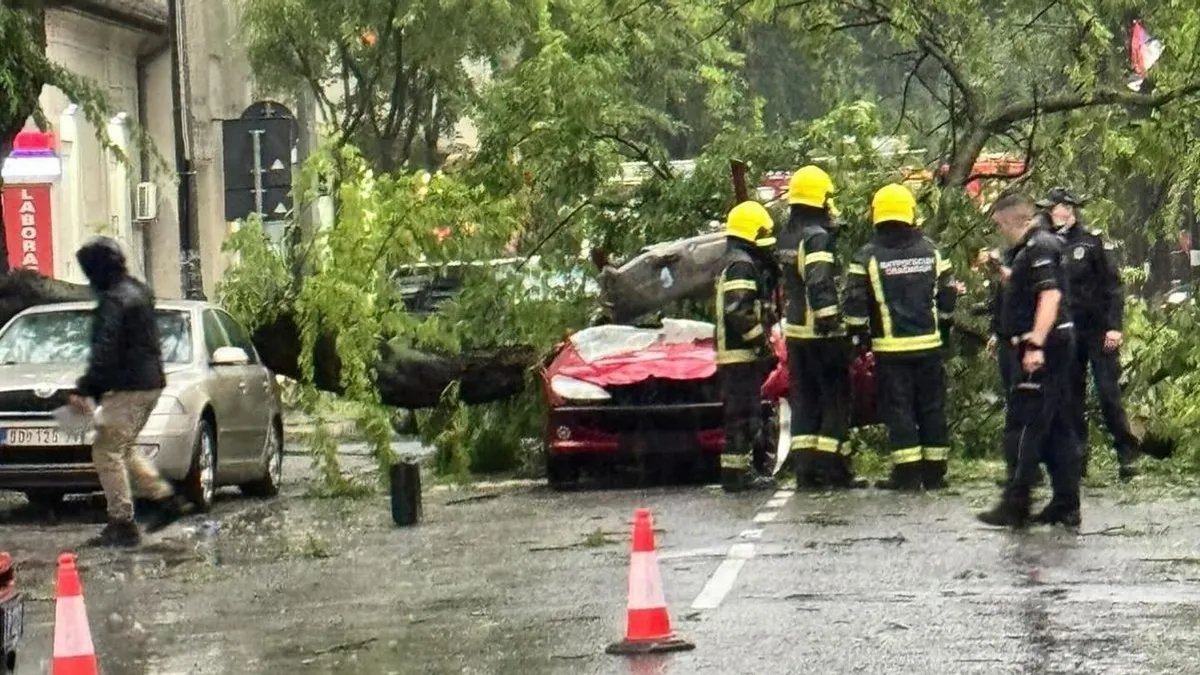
x=125, y=376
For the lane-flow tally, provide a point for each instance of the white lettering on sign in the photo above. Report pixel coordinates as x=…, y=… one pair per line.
x=28, y=211
x=906, y=266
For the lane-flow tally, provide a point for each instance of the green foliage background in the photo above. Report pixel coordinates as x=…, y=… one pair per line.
x=575, y=88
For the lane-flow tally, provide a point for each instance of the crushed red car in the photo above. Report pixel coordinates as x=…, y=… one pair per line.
x=617, y=393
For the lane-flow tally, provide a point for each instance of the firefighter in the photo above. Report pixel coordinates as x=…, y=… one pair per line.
x=900, y=298
x=744, y=317
x=819, y=352
x=1034, y=311
x=1097, y=307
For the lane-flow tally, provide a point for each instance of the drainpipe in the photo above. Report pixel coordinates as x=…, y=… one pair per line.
x=190, y=266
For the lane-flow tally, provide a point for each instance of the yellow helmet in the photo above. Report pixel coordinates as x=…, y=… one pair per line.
x=810, y=186
x=894, y=203
x=751, y=221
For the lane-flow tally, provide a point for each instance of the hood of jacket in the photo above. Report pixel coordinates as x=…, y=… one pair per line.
x=102, y=263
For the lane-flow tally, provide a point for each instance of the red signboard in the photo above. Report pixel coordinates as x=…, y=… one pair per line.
x=27, y=228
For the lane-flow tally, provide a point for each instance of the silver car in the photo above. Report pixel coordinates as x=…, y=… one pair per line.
x=218, y=422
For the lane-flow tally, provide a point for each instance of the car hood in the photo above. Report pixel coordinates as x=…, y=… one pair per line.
x=56, y=375
x=616, y=355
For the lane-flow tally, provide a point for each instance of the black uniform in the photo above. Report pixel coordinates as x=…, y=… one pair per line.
x=745, y=314
x=901, y=293
x=1040, y=424
x=819, y=352
x=1097, y=305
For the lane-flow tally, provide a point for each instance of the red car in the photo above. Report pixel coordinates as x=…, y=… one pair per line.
x=617, y=392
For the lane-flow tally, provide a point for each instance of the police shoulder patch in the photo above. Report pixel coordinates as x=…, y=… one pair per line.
x=1079, y=252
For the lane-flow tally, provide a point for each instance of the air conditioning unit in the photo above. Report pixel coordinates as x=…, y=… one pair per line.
x=146, y=205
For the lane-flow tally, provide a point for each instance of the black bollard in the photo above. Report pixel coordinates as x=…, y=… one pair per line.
x=406, y=492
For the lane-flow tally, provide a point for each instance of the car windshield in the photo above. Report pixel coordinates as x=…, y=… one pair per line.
x=63, y=337
x=600, y=342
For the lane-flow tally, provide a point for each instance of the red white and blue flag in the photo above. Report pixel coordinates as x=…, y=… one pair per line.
x=1144, y=52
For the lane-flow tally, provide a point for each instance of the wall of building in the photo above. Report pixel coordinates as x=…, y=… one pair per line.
x=92, y=196
x=96, y=192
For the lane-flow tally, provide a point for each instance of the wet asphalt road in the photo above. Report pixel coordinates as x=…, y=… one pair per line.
x=518, y=579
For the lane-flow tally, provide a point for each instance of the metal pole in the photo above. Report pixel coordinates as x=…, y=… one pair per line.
x=256, y=137
x=189, y=257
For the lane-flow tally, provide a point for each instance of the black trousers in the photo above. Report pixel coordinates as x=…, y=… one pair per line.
x=913, y=406
x=741, y=398
x=1106, y=374
x=819, y=395
x=1040, y=427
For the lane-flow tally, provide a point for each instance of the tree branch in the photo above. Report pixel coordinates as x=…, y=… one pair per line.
x=904, y=94
x=1068, y=102
x=641, y=153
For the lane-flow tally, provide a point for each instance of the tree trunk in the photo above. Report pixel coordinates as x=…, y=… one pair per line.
x=406, y=378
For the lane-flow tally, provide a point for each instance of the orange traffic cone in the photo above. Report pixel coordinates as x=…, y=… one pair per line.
x=648, y=626
x=74, y=653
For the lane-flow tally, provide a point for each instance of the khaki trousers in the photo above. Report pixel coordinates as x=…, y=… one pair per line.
x=117, y=462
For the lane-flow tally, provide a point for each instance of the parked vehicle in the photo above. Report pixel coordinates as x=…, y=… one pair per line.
x=218, y=422
x=12, y=615
x=617, y=393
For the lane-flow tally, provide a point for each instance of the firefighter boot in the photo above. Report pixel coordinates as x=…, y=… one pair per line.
x=738, y=476
x=1057, y=513
x=905, y=477
x=933, y=474
x=1012, y=511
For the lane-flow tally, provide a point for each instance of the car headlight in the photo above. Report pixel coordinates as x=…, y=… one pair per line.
x=169, y=405
x=577, y=390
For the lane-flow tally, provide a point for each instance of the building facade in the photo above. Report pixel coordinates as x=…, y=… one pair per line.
x=122, y=45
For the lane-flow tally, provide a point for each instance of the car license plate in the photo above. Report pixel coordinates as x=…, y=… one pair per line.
x=38, y=436
x=13, y=622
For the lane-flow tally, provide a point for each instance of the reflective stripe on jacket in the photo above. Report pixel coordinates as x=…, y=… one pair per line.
x=810, y=273
x=901, y=290
x=743, y=307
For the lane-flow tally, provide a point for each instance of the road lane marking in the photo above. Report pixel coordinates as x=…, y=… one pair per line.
x=722, y=580
x=765, y=516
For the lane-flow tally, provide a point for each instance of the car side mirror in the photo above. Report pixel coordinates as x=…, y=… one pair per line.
x=230, y=356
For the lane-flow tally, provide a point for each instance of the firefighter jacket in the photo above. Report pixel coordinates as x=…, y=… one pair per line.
x=1037, y=265
x=809, y=274
x=901, y=290
x=744, y=304
x=1097, y=299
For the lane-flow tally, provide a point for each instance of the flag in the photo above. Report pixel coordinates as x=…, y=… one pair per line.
x=1144, y=52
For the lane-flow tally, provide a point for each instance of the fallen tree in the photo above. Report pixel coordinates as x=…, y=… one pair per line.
x=406, y=378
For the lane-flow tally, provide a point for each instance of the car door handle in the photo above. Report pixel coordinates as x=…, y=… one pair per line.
x=242, y=386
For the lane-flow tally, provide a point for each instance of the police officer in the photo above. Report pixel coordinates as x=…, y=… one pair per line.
x=818, y=350
x=1097, y=307
x=744, y=317
x=901, y=296
x=1034, y=311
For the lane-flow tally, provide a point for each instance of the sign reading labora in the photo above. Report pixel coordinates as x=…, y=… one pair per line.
x=27, y=227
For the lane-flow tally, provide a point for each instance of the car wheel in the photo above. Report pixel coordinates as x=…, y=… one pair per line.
x=45, y=499
x=268, y=485
x=562, y=471
x=200, y=484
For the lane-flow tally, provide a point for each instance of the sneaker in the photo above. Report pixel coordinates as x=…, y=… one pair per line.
x=164, y=513
x=117, y=534
x=1126, y=472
